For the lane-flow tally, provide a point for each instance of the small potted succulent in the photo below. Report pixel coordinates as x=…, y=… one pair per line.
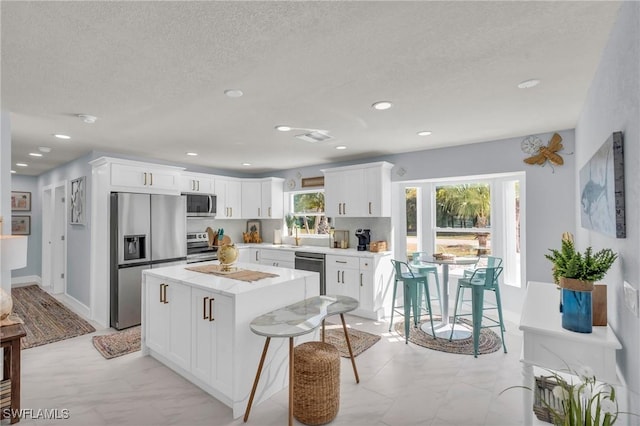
x=575, y=273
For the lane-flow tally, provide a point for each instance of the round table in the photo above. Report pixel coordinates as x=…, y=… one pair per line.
x=444, y=327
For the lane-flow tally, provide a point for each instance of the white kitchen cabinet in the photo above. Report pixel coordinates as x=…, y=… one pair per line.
x=244, y=254
x=263, y=198
x=228, y=198
x=212, y=336
x=277, y=257
x=169, y=319
x=149, y=178
x=342, y=275
x=358, y=191
x=197, y=183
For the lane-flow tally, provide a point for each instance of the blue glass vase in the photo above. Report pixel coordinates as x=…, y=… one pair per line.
x=576, y=311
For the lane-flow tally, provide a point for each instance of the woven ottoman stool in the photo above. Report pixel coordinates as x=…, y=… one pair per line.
x=316, y=383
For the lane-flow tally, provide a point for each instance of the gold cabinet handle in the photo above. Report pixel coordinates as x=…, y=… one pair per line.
x=150, y=178
x=338, y=276
x=211, y=309
x=198, y=185
x=145, y=178
x=369, y=207
x=204, y=308
x=161, y=293
x=360, y=279
x=165, y=293
x=230, y=211
x=258, y=211
x=269, y=211
x=342, y=277
x=344, y=208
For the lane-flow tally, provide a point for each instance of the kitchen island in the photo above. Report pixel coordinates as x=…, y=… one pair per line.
x=197, y=324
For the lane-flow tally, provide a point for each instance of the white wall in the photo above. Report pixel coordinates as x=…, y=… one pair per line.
x=613, y=104
x=5, y=189
x=34, y=245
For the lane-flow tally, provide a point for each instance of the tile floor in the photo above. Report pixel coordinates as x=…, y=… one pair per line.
x=400, y=385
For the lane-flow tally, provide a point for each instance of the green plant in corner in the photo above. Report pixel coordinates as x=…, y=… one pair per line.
x=587, y=266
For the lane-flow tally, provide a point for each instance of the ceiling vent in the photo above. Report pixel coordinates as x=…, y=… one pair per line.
x=314, y=136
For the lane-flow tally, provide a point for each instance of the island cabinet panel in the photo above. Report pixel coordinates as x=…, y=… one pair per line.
x=169, y=308
x=211, y=358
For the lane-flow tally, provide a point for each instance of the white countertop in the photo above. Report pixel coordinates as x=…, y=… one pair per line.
x=225, y=285
x=315, y=249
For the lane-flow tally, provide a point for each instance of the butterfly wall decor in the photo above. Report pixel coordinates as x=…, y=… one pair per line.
x=540, y=153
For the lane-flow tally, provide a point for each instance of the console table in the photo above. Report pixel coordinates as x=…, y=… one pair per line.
x=10, y=336
x=546, y=344
x=295, y=320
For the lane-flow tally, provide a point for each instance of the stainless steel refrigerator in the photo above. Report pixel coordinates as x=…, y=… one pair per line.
x=147, y=231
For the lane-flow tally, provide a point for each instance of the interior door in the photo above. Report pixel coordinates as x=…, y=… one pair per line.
x=58, y=239
x=47, y=214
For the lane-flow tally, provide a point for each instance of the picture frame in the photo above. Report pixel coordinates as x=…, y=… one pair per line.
x=20, y=225
x=77, y=213
x=602, y=198
x=254, y=225
x=20, y=201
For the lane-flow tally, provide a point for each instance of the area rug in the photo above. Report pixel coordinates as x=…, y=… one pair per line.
x=360, y=340
x=117, y=344
x=489, y=341
x=45, y=319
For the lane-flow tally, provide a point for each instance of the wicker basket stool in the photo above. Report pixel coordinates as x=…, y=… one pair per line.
x=316, y=383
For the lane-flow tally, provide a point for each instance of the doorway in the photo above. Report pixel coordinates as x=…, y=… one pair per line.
x=54, y=236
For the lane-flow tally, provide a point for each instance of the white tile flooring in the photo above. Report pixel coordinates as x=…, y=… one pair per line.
x=399, y=385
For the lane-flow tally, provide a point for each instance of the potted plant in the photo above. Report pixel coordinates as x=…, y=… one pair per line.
x=289, y=219
x=575, y=273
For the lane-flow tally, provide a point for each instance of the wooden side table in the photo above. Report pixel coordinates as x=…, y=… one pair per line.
x=10, y=336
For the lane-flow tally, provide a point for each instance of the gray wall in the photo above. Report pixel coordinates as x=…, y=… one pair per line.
x=34, y=247
x=5, y=189
x=613, y=104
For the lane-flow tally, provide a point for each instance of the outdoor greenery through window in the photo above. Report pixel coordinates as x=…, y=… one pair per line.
x=307, y=213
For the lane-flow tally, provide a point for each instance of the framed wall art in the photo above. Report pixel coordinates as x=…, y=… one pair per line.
x=254, y=226
x=20, y=201
x=20, y=225
x=77, y=205
x=602, y=189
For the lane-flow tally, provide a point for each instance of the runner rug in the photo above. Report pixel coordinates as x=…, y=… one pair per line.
x=360, y=340
x=117, y=344
x=489, y=341
x=45, y=319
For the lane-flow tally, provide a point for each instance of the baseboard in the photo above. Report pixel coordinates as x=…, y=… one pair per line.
x=26, y=280
x=75, y=305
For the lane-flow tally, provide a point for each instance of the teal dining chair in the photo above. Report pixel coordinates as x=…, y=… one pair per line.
x=482, y=280
x=427, y=269
x=489, y=262
x=411, y=281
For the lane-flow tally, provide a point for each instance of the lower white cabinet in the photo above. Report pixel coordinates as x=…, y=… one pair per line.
x=343, y=275
x=281, y=258
x=169, y=320
x=212, y=336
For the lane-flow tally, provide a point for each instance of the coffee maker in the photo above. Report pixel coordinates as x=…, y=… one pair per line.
x=364, y=238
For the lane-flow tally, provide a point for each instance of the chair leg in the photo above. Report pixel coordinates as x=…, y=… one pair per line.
x=435, y=274
x=428, y=297
x=477, y=296
x=415, y=305
x=407, y=312
x=502, y=329
x=455, y=313
x=393, y=302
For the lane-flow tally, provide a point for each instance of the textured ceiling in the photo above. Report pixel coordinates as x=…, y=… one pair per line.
x=154, y=73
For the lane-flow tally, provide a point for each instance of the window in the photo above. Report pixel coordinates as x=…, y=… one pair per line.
x=307, y=212
x=467, y=218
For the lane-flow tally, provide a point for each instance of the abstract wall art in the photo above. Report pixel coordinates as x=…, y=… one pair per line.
x=602, y=189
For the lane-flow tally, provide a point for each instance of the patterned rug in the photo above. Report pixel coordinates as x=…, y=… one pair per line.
x=119, y=343
x=489, y=341
x=45, y=319
x=360, y=340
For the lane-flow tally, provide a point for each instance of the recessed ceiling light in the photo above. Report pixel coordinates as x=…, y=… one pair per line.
x=233, y=93
x=283, y=128
x=22, y=165
x=192, y=154
x=89, y=119
x=13, y=171
x=60, y=136
x=527, y=84
x=382, y=105
x=44, y=149
x=341, y=147
x=246, y=164
x=424, y=133
x=35, y=154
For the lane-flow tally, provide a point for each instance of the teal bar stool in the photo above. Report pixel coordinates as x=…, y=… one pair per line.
x=418, y=262
x=411, y=281
x=491, y=262
x=482, y=279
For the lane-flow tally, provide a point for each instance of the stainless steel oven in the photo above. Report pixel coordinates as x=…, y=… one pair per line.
x=314, y=262
x=198, y=249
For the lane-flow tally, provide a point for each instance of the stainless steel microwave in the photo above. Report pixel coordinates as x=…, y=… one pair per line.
x=201, y=205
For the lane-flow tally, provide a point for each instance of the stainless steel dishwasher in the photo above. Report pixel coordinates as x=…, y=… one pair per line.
x=314, y=262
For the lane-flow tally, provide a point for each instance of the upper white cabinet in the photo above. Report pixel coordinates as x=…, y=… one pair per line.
x=363, y=190
x=142, y=177
x=263, y=198
x=229, y=199
x=198, y=183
